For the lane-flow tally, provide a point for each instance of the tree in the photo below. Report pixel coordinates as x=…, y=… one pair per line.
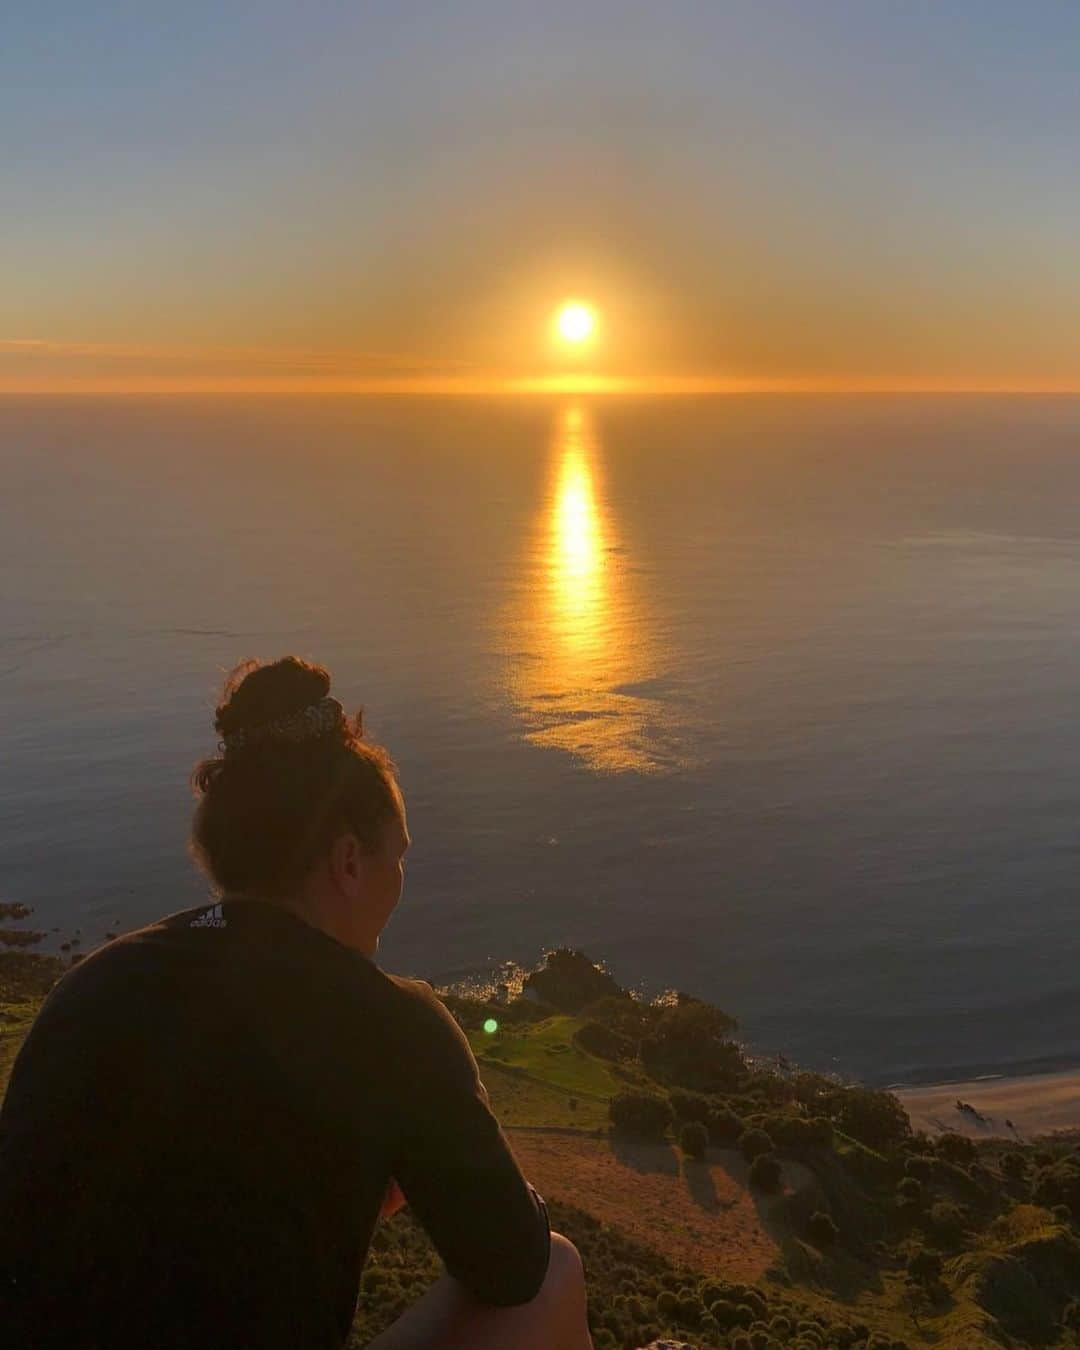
x=875, y=1119
x=753, y=1143
x=690, y=1047
x=910, y=1190
x=604, y=1042
x=957, y=1148
x=694, y=1139
x=765, y=1172
x=569, y=980
x=641, y=1115
x=925, y=1266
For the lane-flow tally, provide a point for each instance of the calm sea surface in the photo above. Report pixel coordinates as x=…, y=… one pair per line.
x=775, y=700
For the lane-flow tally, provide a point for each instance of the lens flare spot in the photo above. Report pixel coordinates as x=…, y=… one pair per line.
x=491, y=1026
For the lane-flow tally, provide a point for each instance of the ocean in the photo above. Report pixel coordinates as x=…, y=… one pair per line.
x=774, y=700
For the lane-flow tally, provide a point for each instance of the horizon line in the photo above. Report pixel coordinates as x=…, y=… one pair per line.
x=510, y=386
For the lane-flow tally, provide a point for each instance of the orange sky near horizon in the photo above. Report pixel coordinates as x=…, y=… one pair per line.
x=754, y=198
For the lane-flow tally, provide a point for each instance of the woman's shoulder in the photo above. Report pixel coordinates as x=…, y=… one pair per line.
x=420, y=1015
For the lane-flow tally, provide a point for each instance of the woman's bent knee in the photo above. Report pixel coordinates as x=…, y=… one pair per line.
x=564, y=1287
x=564, y=1263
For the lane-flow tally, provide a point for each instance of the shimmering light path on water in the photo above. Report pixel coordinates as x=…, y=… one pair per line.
x=774, y=700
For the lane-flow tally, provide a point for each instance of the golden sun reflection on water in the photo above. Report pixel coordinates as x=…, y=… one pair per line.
x=585, y=674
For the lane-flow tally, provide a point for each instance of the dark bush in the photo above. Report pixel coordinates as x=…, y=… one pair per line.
x=694, y=1139
x=765, y=1172
x=641, y=1115
x=569, y=980
x=948, y=1221
x=910, y=1189
x=690, y=1311
x=1058, y=1184
x=711, y=1291
x=725, y=1126
x=924, y=1266
x=603, y=1042
x=1014, y=1165
x=753, y=1143
x=957, y=1148
x=821, y=1229
x=920, y=1165
x=692, y=1105
x=667, y=1304
x=690, y=1047
x=723, y=1310
x=800, y=1132
x=875, y=1119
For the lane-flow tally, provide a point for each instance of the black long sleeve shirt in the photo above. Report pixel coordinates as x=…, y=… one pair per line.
x=200, y=1127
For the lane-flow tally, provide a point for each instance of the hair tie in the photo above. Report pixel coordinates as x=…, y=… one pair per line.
x=307, y=724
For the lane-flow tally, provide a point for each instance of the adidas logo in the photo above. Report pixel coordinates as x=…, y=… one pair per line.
x=213, y=918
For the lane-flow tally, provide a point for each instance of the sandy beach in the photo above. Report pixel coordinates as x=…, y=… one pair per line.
x=1009, y=1107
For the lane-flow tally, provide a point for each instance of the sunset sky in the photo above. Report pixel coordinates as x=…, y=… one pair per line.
x=315, y=196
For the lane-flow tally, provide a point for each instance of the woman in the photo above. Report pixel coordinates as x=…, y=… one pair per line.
x=210, y=1114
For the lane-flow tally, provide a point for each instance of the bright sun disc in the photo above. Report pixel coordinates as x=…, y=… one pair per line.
x=575, y=322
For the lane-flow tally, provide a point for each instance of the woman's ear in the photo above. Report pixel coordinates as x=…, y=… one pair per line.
x=347, y=860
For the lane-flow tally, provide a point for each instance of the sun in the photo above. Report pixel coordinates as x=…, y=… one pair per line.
x=575, y=322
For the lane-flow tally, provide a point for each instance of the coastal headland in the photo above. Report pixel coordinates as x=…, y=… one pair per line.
x=732, y=1205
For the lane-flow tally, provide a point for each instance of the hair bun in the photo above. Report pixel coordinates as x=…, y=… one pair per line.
x=257, y=693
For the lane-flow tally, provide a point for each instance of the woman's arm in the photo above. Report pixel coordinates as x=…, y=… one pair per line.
x=456, y=1169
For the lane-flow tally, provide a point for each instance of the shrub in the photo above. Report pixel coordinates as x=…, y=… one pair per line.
x=800, y=1131
x=725, y=1126
x=765, y=1172
x=1014, y=1165
x=690, y=1047
x=875, y=1119
x=723, y=1310
x=691, y=1105
x=667, y=1304
x=1062, y=1213
x=690, y=1311
x=641, y=1115
x=957, y=1148
x=694, y=1139
x=603, y=1042
x=1058, y=1184
x=910, y=1189
x=924, y=1266
x=920, y=1165
x=821, y=1229
x=947, y=1220
x=753, y=1143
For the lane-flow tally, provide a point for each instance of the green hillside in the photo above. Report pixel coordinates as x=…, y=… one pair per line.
x=730, y=1205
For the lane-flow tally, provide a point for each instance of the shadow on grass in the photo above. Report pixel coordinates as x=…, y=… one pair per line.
x=784, y=1215
x=700, y=1184
x=648, y=1158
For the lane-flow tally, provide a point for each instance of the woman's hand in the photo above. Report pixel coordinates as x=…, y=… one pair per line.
x=392, y=1200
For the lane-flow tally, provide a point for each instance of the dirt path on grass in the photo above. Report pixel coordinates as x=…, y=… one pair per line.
x=701, y=1214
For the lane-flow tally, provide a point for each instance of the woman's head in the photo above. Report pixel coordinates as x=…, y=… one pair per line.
x=297, y=800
